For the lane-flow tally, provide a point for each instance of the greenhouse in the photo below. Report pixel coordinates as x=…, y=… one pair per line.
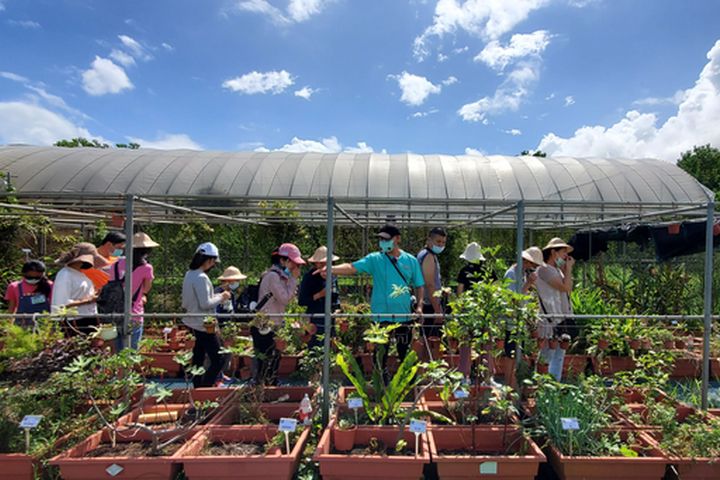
x=636, y=398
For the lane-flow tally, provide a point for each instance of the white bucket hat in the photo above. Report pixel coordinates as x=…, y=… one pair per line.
x=473, y=253
x=558, y=243
x=320, y=256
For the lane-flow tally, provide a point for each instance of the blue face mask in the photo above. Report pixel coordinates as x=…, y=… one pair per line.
x=117, y=252
x=286, y=271
x=437, y=250
x=387, y=245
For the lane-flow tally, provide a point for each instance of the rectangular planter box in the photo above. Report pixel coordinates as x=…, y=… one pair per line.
x=17, y=466
x=483, y=465
x=688, y=366
x=584, y=468
x=164, y=362
x=288, y=364
x=611, y=365
x=335, y=466
x=280, y=466
x=267, y=401
x=697, y=468
x=75, y=465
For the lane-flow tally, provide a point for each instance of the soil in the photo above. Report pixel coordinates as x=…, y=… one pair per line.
x=132, y=450
x=233, y=449
x=361, y=450
x=470, y=451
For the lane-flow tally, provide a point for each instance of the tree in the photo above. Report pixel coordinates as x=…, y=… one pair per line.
x=703, y=163
x=530, y=153
x=80, y=142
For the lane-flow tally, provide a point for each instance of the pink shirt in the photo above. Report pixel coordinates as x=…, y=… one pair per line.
x=13, y=291
x=282, y=288
x=139, y=275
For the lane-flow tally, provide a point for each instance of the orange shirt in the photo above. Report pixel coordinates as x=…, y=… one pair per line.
x=98, y=277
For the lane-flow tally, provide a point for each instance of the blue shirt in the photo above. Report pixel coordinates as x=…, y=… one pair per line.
x=380, y=267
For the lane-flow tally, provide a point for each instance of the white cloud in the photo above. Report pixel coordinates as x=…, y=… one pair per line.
x=550, y=97
x=305, y=92
x=513, y=131
x=638, y=134
x=425, y=114
x=474, y=152
x=325, y=145
x=655, y=101
x=29, y=24
x=487, y=19
x=442, y=57
x=35, y=125
x=168, y=141
x=415, y=89
x=2, y=7
x=449, y=81
x=122, y=58
x=569, y=100
x=255, y=82
x=105, y=77
x=498, y=56
x=13, y=76
x=167, y=47
x=297, y=11
x=583, y=3
x=508, y=97
x=55, y=101
x=135, y=48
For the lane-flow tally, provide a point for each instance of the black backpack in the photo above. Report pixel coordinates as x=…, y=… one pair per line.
x=112, y=295
x=248, y=301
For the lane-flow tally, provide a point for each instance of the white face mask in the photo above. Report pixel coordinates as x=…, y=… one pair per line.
x=234, y=285
x=33, y=281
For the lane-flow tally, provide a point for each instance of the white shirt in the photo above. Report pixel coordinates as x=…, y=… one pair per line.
x=71, y=285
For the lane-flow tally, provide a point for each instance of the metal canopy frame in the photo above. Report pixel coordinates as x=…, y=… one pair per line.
x=81, y=208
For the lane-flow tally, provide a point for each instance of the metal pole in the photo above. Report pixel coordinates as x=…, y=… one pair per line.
x=328, y=314
x=708, y=302
x=519, y=259
x=129, y=227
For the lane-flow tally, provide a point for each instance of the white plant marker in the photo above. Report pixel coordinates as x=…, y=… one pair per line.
x=418, y=427
x=28, y=423
x=287, y=425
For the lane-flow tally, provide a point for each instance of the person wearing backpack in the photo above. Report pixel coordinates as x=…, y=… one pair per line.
x=278, y=286
x=198, y=298
x=141, y=281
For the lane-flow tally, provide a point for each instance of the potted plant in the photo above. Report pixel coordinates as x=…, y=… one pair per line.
x=344, y=435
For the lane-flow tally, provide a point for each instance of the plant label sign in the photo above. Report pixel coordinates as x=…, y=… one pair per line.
x=355, y=403
x=418, y=426
x=114, y=470
x=570, y=424
x=488, y=468
x=30, y=421
x=287, y=425
x=460, y=394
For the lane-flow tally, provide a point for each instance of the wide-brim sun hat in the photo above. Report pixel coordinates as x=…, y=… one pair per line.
x=320, y=256
x=558, y=243
x=232, y=273
x=292, y=252
x=83, y=249
x=533, y=255
x=143, y=240
x=473, y=253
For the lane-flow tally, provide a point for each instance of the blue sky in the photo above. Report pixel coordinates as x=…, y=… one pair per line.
x=579, y=77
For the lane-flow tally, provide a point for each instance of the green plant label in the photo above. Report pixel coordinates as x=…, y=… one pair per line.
x=488, y=468
x=570, y=424
x=287, y=425
x=418, y=426
x=30, y=421
x=114, y=470
x=355, y=403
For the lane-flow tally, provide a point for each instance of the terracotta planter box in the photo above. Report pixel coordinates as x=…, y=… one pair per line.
x=574, y=365
x=288, y=364
x=481, y=462
x=438, y=407
x=268, y=402
x=611, y=365
x=649, y=467
x=345, y=392
x=219, y=395
x=681, y=413
x=17, y=466
x=689, y=366
x=165, y=362
x=74, y=464
x=433, y=394
x=697, y=468
x=339, y=466
x=277, y=466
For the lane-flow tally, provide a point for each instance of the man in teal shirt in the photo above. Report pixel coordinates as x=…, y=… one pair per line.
x=395, y=275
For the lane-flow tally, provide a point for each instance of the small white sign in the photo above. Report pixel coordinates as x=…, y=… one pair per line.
x=570, y=424
x=418, y=426
x=167, y=330
x=114, y=470
x=288, y=424
x=488, y=468
x=460, y=394
x=30, y=421
x=355, y=402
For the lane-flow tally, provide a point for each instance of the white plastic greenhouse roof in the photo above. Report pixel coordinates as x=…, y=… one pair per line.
x=367, y=188
x=345, y=176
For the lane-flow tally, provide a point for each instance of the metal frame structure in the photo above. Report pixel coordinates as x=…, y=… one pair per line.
x=546, y=211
